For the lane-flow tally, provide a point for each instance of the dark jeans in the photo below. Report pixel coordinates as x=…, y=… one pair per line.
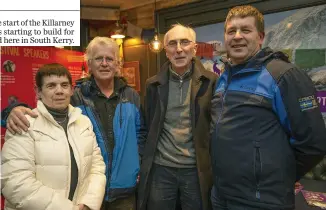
x=170, y=184
x=128, y=203
x=221, y=203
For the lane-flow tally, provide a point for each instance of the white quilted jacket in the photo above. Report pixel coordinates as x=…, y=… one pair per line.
x=36, y=164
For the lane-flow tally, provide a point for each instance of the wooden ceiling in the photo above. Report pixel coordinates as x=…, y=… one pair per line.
x=138, y=12
x=130, y=4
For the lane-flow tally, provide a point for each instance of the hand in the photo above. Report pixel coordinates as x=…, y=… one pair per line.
x=16, y=121
x=81, y=206
x=297, y=185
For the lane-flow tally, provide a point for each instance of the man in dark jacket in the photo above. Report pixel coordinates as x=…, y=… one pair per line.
x=267, y=129
x=176, y=162
x=115, y=112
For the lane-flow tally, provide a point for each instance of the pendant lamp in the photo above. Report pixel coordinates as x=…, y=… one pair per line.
x=155, y=45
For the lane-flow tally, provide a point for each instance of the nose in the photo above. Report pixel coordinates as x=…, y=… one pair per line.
x=238, y=35
x=179, y=48
x=104, y=62
x=59, y=89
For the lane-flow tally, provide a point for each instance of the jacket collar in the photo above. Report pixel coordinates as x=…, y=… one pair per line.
x=73, y=114
x=89, y=87
x=261, y=58
x=119, y=83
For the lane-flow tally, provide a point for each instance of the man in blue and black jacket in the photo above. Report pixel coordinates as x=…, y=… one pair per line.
x=267, y=130
x=115, y=112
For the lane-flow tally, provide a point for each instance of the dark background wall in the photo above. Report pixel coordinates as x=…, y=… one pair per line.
x=135, y=50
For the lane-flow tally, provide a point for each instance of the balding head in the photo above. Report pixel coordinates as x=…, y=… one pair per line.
x=180, y=47
x=185, y=31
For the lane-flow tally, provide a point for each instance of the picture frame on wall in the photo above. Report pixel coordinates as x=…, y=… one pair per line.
x=130, y=72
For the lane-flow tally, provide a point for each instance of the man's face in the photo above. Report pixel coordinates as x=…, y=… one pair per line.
x=103, y=64
x=56, y=92
x=180, y=49
x=242, y=39
x=12, y=100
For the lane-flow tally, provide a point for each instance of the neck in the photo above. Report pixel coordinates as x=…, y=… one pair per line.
x=242, y=61
x=53, y=110
x=105, y=86
x=181, y=70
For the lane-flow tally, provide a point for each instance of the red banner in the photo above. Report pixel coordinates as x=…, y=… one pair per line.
x=20, y=64
x=204, y=50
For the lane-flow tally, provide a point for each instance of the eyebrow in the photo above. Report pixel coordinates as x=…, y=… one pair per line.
x=173, y=40
x=54, y=83
x=243, y=26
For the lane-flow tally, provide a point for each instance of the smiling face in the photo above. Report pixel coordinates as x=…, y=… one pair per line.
x=103, y=64
x=180, y=48
x=55, y=92
x=242, y=39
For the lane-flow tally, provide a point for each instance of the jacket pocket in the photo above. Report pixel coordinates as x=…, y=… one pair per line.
x=257, y=170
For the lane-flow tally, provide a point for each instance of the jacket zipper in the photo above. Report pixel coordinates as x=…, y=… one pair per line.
x=69, y=157
x=223, y=101
x=257, y=150
x=257, y=171
x=223, y=96
x=181, y=90
x=78, y=187
x=107, y=150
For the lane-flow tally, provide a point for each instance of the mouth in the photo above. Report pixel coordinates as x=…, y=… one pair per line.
x=236, y=46
x=104, y=71
x=179, y=58
x=59, y=99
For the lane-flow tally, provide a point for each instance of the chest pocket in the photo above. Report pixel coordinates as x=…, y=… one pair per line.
x=50, y=150
x=84, y=142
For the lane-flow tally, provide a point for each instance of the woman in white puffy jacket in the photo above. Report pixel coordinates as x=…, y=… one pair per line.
x=56, y=164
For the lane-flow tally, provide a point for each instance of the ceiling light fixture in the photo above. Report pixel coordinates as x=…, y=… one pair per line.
x=118, y=31
x=155, y=45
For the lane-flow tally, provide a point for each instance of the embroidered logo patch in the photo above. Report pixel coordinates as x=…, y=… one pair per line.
x=308, y=102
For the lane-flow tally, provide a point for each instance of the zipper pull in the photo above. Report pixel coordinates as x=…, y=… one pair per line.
x=181, y=95
x=257, y=194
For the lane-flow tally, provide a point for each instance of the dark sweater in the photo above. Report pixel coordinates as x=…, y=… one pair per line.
x=62, y=118
x=175, y=147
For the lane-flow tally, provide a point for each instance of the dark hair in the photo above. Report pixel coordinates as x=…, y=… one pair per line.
x=247, y=11
x=13, y=96
x=51, y=69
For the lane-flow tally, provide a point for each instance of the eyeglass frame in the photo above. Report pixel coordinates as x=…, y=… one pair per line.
x=97, y=59
x=181, y=42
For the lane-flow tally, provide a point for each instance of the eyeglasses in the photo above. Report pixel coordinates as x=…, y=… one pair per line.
x=182, y=42
x=100, y=59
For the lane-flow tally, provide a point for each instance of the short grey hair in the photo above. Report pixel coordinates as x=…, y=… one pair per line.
x=89, y=53
x=103, y=41
x=191, y=31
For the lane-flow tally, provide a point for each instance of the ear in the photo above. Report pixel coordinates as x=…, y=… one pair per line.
x=195, y=49
x=71, y=91
x=261, y=37
x=38, y=93
x=166, y=54
x=89, y=66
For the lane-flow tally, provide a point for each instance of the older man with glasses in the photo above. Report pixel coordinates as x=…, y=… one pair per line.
x=176, y=162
